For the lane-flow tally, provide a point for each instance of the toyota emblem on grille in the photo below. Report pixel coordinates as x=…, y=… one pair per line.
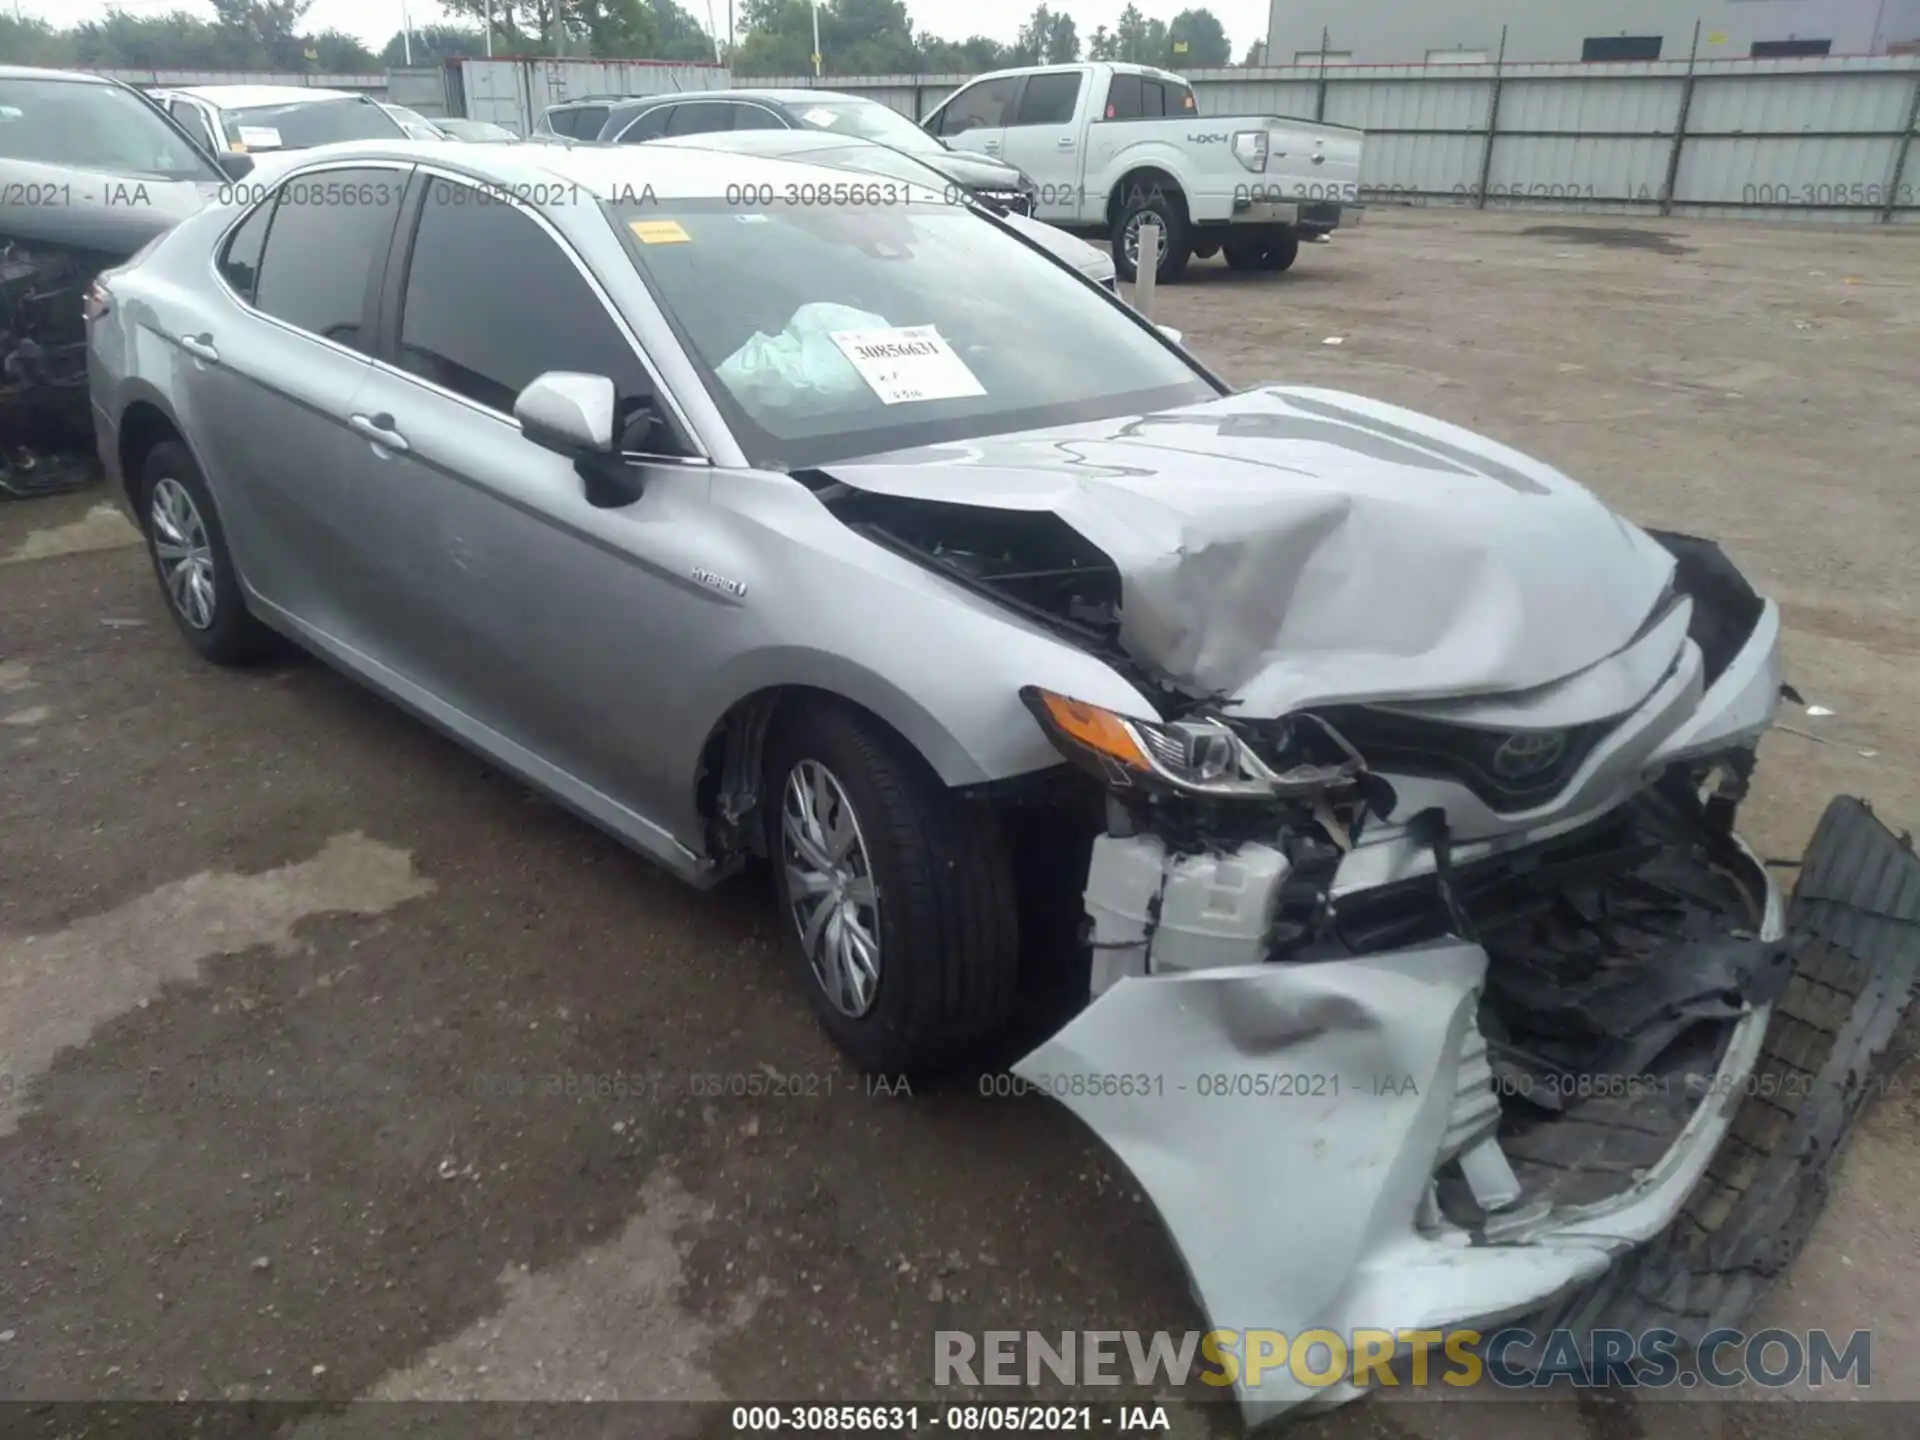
x=1524, y=756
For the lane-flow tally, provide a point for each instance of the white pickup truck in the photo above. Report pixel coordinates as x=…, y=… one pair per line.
x=1108, y=146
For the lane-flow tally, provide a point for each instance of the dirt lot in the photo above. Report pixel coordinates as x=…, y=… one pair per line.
x=273, y=957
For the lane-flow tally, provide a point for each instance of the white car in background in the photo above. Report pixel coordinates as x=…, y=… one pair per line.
x=417, y=126
x=277, y=117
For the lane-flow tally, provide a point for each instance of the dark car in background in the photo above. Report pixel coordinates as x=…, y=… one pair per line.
x=91, y=170
x=703, y=112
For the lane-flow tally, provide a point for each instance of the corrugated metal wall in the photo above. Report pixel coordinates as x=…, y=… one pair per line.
x=1817, y=139
x=514, y=92
x=423, y=88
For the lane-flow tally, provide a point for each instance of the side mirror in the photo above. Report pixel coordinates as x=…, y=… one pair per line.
x=1171, y=334
x=234, y=164
x=568, y=413
x=574, y=415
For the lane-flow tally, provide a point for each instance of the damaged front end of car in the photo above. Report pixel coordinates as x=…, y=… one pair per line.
x=46, y=430
x=1424, y=1016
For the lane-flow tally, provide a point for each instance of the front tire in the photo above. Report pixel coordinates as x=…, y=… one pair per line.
x=1268, y=250
x=1169, y=209
x=898, y=894
x=188, y=548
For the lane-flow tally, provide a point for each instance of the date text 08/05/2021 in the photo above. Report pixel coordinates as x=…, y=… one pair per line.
x=913, y=1419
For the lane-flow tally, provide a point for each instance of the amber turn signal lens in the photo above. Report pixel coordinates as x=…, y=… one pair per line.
x=1099, y=730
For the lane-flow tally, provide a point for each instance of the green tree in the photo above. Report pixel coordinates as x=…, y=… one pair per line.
x=1046, y=38
x=1205, y=40
x=1103, y=44
x=270, y=26
x=165, y=42
x=1063, y=46
x=1138, y=40
x=34, y=42
x=679, y=35
x=337, y=53
x=522, y=27
x=434, y=43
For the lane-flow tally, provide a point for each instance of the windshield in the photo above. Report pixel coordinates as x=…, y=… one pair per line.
x=868, y=119
x=301, y=123
x=851, y=324
x=93, y=127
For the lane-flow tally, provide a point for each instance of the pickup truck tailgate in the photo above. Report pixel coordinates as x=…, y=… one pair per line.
x=1325, y=159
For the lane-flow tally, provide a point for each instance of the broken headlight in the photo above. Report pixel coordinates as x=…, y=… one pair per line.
x=1202, y=756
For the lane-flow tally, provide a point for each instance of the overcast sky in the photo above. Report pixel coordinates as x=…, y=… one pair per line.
x=375, y=21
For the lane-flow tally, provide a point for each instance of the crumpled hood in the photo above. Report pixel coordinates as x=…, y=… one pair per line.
x=1290, y=546
x=96, y=210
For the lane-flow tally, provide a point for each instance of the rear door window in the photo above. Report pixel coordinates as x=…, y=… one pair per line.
x=700, y=117
x=240, y=259
x=1049, y=99
x=648, y=125
x=580, y=122
x=329, y=232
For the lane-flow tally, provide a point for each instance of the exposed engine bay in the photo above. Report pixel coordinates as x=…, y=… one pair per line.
x=1626, y=1064
x=46, y=435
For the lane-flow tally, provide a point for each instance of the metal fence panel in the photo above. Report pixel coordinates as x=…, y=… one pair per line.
x=422, y=88
x=375, y=84
x=1772, y=139
x=1813, y=139
x=514, y=92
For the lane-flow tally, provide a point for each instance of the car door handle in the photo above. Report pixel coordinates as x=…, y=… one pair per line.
x=379, y=429
x=992, y=144
x=1065, y=142
x=200, y=347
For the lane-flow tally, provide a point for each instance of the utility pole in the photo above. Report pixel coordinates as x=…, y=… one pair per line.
x=489, y=29
x=406, y=31
x=816, y=39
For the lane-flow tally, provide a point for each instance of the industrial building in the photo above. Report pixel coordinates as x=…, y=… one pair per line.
x=1431, y=32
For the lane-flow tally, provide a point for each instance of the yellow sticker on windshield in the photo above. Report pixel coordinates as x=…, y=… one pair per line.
x=658, y=232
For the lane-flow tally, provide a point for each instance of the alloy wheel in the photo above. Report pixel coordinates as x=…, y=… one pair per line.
x=184, y=553
x=830, y=888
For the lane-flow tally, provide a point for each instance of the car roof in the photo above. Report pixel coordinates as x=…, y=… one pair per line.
x=39, y=72
x=242, y=97
x=776, y=97
x=672, y=172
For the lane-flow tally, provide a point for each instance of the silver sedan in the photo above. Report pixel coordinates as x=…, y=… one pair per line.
x=1349, y=797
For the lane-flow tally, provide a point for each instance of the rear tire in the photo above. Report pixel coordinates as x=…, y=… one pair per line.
x=188, y=548
x=901, y=904
x=1168, y=207
x=1263, y=250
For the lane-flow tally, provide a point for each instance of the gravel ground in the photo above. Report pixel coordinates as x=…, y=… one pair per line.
x=280, y=969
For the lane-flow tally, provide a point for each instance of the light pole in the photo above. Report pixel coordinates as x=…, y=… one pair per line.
x=406, y=31
x=489, y=29
x=816, y=39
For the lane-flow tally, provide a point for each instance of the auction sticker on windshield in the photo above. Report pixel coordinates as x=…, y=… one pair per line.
x=259, y=137
x=908, y=363
x=659, y=232
x=820, y=116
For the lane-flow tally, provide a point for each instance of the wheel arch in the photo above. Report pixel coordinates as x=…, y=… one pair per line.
x=1145, y=176
x=145, y=423
x=728, y=783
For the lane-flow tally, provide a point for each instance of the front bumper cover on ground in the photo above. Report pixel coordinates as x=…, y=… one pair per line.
x=1287, y=1121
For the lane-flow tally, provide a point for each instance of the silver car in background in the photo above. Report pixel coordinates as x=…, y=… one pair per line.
x=1343, y=799
x=870, y=157
x=259, y=118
